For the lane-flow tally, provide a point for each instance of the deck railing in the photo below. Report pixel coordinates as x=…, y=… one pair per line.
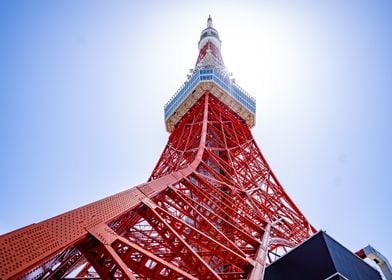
x=205, y=75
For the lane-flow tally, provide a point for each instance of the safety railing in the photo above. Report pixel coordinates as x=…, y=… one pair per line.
x=217, y=76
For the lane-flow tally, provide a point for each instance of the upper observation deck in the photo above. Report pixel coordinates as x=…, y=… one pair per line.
x=219, y=84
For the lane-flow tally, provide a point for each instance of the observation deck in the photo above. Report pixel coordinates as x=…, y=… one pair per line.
x=219, y=84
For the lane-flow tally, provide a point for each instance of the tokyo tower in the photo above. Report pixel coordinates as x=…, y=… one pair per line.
x=212, y=208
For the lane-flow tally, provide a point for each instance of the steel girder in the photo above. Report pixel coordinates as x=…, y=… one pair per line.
x=212, y=209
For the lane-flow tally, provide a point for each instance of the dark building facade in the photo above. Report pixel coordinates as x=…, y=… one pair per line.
x=320, y=258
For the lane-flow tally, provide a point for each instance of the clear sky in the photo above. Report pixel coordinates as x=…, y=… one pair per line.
x=83, y=84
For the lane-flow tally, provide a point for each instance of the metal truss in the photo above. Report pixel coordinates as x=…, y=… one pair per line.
x=212, y=209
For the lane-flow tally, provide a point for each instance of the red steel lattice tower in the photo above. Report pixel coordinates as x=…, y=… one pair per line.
x=212, y=208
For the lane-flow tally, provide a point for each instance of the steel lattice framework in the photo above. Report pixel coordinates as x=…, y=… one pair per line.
x=212, y=209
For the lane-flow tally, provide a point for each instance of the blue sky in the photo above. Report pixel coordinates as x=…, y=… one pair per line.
x=83, y=84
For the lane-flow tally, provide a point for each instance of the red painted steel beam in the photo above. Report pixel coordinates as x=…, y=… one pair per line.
x=202, y=214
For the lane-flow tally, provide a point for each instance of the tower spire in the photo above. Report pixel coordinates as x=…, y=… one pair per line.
x=209, y=21
x=210, y=72
x=209, y=48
